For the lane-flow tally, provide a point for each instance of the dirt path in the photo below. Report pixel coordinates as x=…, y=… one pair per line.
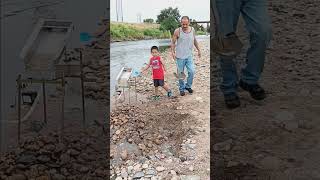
x=166, y=139
x=277, y=138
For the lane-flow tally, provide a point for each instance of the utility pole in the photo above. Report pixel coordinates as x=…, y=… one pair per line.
x=139, y=17
x=121, y=11
x=117, y=10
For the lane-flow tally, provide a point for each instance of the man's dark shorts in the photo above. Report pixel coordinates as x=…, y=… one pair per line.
x=158, y=82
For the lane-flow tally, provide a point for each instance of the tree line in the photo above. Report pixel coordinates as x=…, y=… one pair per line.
x=169, y=20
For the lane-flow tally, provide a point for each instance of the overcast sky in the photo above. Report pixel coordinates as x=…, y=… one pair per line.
x=195, y=9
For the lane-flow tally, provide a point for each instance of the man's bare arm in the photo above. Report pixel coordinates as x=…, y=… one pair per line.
x=173, y=42
x=196, y=44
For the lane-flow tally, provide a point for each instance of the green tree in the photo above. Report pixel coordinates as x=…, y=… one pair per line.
x=169, y=24
x=169, y=12
x=148, y=20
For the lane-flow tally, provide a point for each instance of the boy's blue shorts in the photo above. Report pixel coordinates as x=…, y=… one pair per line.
x=158, y=82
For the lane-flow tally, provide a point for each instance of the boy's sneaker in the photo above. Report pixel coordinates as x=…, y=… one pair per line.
x=189, y=90
x=182, y=93
x=232, y=100
x=255, y=90
x=169, y=93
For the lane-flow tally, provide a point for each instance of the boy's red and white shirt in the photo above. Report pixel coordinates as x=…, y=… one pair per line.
x=157, y=69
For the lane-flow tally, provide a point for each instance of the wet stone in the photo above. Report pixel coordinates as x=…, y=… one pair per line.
x=138, y=175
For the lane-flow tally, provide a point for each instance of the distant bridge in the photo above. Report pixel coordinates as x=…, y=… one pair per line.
x=201, y=22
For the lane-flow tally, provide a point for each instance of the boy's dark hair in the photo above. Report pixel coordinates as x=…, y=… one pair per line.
x=154, y=47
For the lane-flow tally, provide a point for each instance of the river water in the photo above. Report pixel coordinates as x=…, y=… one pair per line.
x=134, y=54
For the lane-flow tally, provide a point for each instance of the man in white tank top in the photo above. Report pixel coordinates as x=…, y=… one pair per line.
x=183, y=40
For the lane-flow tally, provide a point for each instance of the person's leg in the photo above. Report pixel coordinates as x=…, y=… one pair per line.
x=156, y=85
x=156, y=91
x=166, y=87
x=191, y=71
x=255, y=14
x=229, y=83
x=180, y=67
x=229, y=11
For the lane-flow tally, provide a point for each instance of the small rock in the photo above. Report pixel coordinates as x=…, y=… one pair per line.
x=182, y=158
x=179, y=107
x=151, y=172
x=271, y=163
x=284, y=116
x=138, y=175
x=84, y=169
x=169, y=161
x=173, y=172
x=73, y=152
x=17, y=177
x=223, y=146
x=157, y=141
x=191, y=146
x=191, y=168
x=144, y=166
x=154, y=178
x=118, y=132
x=65, y=158
x=50, y=147
x=60, y=147
x=137, y=167
x=124, y=154
x=184, y=177
x=26, y=159
x=118, y=178
x=43, y=158
x=21, y=166
x=87, y=70
x=149, y=145
x=58, y=177
x=160, y=168
x=142, y=147
x=232, y=163
x=124, y=173
x=103, y=63
x=130, y=169
x=43, y=178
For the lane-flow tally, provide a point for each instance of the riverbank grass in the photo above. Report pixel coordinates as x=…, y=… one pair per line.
x=127, y=32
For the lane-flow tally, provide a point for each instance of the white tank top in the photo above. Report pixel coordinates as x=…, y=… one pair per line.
x=185, y=44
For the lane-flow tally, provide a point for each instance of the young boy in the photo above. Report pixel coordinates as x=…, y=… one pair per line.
x=157, y=72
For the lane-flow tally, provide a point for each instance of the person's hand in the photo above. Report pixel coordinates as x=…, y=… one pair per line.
x=173, y=55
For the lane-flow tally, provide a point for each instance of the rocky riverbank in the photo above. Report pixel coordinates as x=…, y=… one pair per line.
x=45, y=157
x=166, y=139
